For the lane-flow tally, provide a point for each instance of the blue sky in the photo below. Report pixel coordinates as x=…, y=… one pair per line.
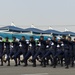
x=41, y=13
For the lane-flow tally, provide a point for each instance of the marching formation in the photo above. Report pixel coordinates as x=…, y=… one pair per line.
x=48, y=52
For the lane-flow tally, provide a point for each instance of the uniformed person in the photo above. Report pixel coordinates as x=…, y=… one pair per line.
x=66, y=51
x=52, y=51
x=41, y=51
x=7, y=49
x=1, y=50
x=59, y=52
x=71, y=52
x=48, y=45
x=14, y=50
x=31, y=51
x=23, y=48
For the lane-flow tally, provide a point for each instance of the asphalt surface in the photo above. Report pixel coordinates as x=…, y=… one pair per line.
x=29, y=70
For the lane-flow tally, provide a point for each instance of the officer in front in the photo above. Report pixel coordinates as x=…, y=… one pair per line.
x=7, y=49
x=1, y=50
x=41, y=51
x=31, y=51
x=23, y=48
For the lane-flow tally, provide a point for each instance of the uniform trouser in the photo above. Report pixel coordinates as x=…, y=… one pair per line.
x=66, y=56
x=41, y=53
x=59, y=53
x=50, y=52
x=48, y=58
x=12, y=52
x=29, y=53
x=1, y=52
x=71, y=56
x=7, y=52
x=74, y=54
x=20, y=52
x=17, y=55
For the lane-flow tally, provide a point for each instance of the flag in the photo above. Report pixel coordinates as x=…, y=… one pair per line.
x=50, y=27
x=12, y=24
x=66, y=29
x=32, y=26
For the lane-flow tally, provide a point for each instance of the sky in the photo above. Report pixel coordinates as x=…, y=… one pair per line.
x=42, y=13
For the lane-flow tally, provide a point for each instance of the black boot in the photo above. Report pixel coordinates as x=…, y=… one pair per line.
x=34, y=63
x=54, y=62
x=16, y=62
x=72, y=65
x=47, y=61
x=66, y=67
x=25, y=61
x=54, y=66
x=8, y=63
x=44, y=63
x=61, y=62
x=1, y=62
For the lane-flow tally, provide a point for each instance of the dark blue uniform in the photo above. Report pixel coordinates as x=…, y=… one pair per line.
x=66, y=51
x=7, y=51
x=52, y=51
x=41, y=51
x=22, y=49
x=31, y=51
x=48, y=45
x=59, y=53
x=71, y=53
x=14, y=51
x=1, y=52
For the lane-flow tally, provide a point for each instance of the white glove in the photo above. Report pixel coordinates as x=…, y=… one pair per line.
x=39, y=44
x=4, y=46
x=62, y=44
x=49, y=39
x=27, y=42
x=5, y=56
x=11, y=46
x=52, y=44
x=0, y=40
x=58, y=46
x=20, y=45
x=47, y=46
x=30, y=45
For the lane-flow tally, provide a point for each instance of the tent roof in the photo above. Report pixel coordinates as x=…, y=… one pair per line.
x=12, y=28
x=49, y=31
x=68, y=32
x=34, y=30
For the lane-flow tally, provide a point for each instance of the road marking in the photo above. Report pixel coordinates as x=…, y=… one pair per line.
x=37, y=74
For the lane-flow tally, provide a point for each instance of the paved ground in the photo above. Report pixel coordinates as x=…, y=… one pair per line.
x=20, y=70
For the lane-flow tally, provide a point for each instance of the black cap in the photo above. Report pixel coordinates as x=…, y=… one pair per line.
x=14, y=37
x=6, y=37
x=54, y=36
x=31, y=36
x=41, y=36
x=69, y=37
x=64, y=36
x=0, y=37
x=23, y=36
